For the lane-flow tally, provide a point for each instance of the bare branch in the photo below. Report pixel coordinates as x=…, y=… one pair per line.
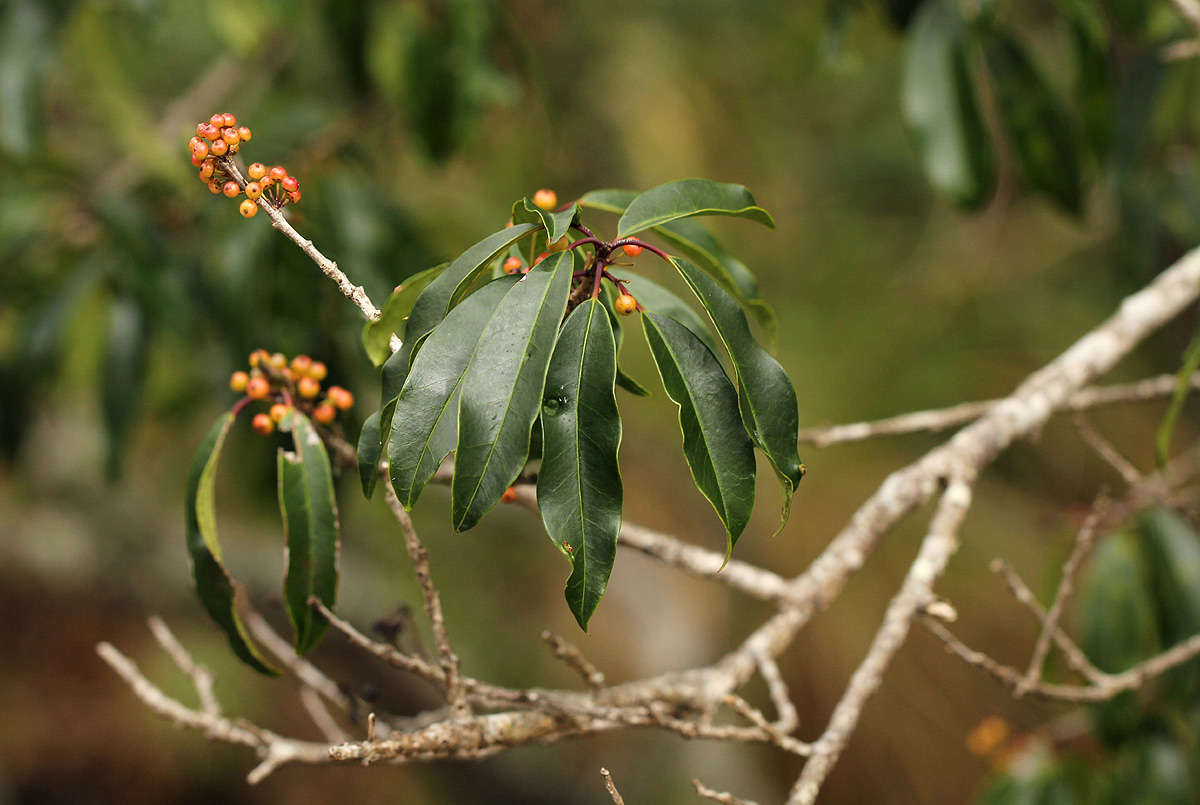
x=573, y=657
x=202, y=678
x=719, y=796
x=1104, y=448
x=611, y=787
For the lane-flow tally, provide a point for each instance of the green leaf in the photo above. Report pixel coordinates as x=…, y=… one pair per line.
x=426, y=409
x=685, y=198
x=214, y=585
x=623, y=380
x=718, y=451
x=377, y=334
x=1172, y=554
x=631, y=385
x=369, y=451
x=124, y=375
x=24, y=53
x=502, y=388
x=766, y=398
x=1183, y=385
x=658, y=299
x=579, y=484
x=939, y=104
x=310, y=523
x=1038, y=127
x=697, y=243
x=556, y=223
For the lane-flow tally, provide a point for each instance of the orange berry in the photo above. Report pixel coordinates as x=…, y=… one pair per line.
x=238, y=381
x=279, y=411
x=625, y=304
x=253, y=190
x=217, y=120
x=308, y=387
x=317, y=371
x=257, y=170
x=560, y=245
x=219, y=148
x=228, y=119
x=301, y=364
x=207, y=169
x=197, y=161
x=512, y=265
x=244, y=133
x=209, y=132
x=340, y=397
x=324, y=413
x=192, y=143
x=231, y=189
x=541, y=257
x=230, y=136
x=545, y=199
x=248, y=208
x=214, y=188
x=509, y=225
x=294, y=196
x=263, y=424
x=200, y=128
x=259, y=356
x=509, y=496
x=278, y=173
x=277, y=360
x=289, y=183
x=632, y=249
x=257, y=388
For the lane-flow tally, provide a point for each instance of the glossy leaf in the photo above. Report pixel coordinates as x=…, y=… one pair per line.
x=124, y=374
x=939, y=104
x=310, y=523
x=369, y=451
x=623, y=380
x=1037, y=126
x=685, y=198
x=376, y=335
x=426, y=409
x=698, y=244
x=579, y=485
x=718, y=451
x=214, y=585
x=658, y=299
x=502, y=388
x=556, y=224
x=766, y=399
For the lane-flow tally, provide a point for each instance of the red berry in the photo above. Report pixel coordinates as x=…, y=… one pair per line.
x=210, y=132
x=632, y=249
x=509, y=496
x=545, y=199
x=197, y=161
x=278, y=173
x=317, y=370
x=238, y=381
x=253, y=190
x=324, y=413
x=289, y=183
x=512, y=265
x=256, y=170
x=263, y=424
x=227, y=119
x=541, y=257
x=279, y=411
x=200, y=128
x=219, y=147
x=257, y=388
x=231, y=189
x=625, y=304
x=308, y=387
x=217, y=120
x=244, y=133
x=248, y=208
x=294, y=196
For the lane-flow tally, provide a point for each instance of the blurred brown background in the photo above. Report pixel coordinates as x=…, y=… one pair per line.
x=413, y=126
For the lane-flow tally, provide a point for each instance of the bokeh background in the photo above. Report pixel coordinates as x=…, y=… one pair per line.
x=128, y=294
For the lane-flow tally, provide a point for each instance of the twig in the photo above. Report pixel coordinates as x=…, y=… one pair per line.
x=777, y=689
x=389, y=654
x=1104, y=448
x=718, y=796
x=611, y=787
x=1084, y=539
x=202, y=678
x=315, y=707
x=573, y=657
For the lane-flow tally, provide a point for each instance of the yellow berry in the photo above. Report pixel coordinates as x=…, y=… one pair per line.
x=545, y=199
x=238, y=381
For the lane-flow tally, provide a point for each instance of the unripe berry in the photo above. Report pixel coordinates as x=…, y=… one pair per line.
x=257, y=388
x=219, y=148
x=238, y=381
x=509, y=496
x=512, y=265
x=308, y=387
x=228, y=119
x=207, y=169
x=289, y=183
x=560, y=245
x=632, y=249
x=278, y=173
x=257, y=170
x=301, y=364
x=317, y=371
x=279, y=411
x=545, y=199
x=324, y=413
x=253, y=190
x=263, y=424
x=340, y=397
x=625, y=304
x=248, y=208
x=244, y=133
x=231, y=189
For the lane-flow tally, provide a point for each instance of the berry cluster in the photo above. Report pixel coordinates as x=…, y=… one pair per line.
x=214, y=145
x=272, y=378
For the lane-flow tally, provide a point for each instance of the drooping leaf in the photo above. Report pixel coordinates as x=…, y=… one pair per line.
x=579, y=484
x=697, y=243
x=766, y=399
x=658, y=299
x=718, y=451
x=1035, y=122
x=310, y=523
x=1183, y=385
x=556, y=223
x=685, y=198
x=124, y=375
x=395, y=312
x=426, y=409
x=502, y=388
x=623, y=380
x=939, y=104
x=214, y=585
x=368, y=454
